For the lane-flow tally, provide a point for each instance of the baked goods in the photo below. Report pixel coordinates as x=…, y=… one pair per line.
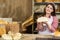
x=57, y=33
x=42, y=19
x=2, y=31
x=2, y=27
x=6, y=37
x=14, y=27
x=11, y=36
x=15, y=36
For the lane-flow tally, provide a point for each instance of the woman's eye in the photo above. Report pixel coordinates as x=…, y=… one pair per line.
x=49, y=7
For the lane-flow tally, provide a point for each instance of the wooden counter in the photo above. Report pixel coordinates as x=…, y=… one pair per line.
x=38, y=37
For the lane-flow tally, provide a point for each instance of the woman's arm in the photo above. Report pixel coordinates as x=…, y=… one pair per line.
x=54, y=25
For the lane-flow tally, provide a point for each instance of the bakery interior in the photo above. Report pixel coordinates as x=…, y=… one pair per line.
x=18, y=17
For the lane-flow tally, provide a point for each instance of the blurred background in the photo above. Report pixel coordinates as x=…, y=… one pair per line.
x=25, y=12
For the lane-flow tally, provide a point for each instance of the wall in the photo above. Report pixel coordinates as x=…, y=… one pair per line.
x=19, y=10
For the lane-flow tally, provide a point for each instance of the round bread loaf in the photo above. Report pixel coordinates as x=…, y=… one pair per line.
x=42, y=19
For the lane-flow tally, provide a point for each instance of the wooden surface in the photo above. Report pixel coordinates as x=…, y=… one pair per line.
x=34, y=36
x=19, y=10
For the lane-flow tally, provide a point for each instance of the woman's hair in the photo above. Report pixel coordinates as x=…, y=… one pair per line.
x=53, y=13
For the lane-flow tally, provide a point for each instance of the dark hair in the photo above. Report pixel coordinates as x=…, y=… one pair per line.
x=53, y=13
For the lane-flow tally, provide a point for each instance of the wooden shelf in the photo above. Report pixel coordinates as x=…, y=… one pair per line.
x=58, y=13
x=44, y=3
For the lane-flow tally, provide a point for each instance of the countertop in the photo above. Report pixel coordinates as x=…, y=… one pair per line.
x=35, y=36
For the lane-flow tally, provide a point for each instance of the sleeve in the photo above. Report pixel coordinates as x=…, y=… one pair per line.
x=54, y=24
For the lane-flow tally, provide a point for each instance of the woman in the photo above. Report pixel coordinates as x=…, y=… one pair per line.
x=50, y=27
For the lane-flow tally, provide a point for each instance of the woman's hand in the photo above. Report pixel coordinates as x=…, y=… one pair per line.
x=39, y=26
x=48, y=25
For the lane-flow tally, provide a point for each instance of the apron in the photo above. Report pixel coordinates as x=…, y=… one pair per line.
x=47, y=32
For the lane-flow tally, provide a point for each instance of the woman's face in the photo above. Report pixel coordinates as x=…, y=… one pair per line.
x=49, y=9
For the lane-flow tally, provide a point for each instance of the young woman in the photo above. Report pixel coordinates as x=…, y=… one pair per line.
x=49, y=27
